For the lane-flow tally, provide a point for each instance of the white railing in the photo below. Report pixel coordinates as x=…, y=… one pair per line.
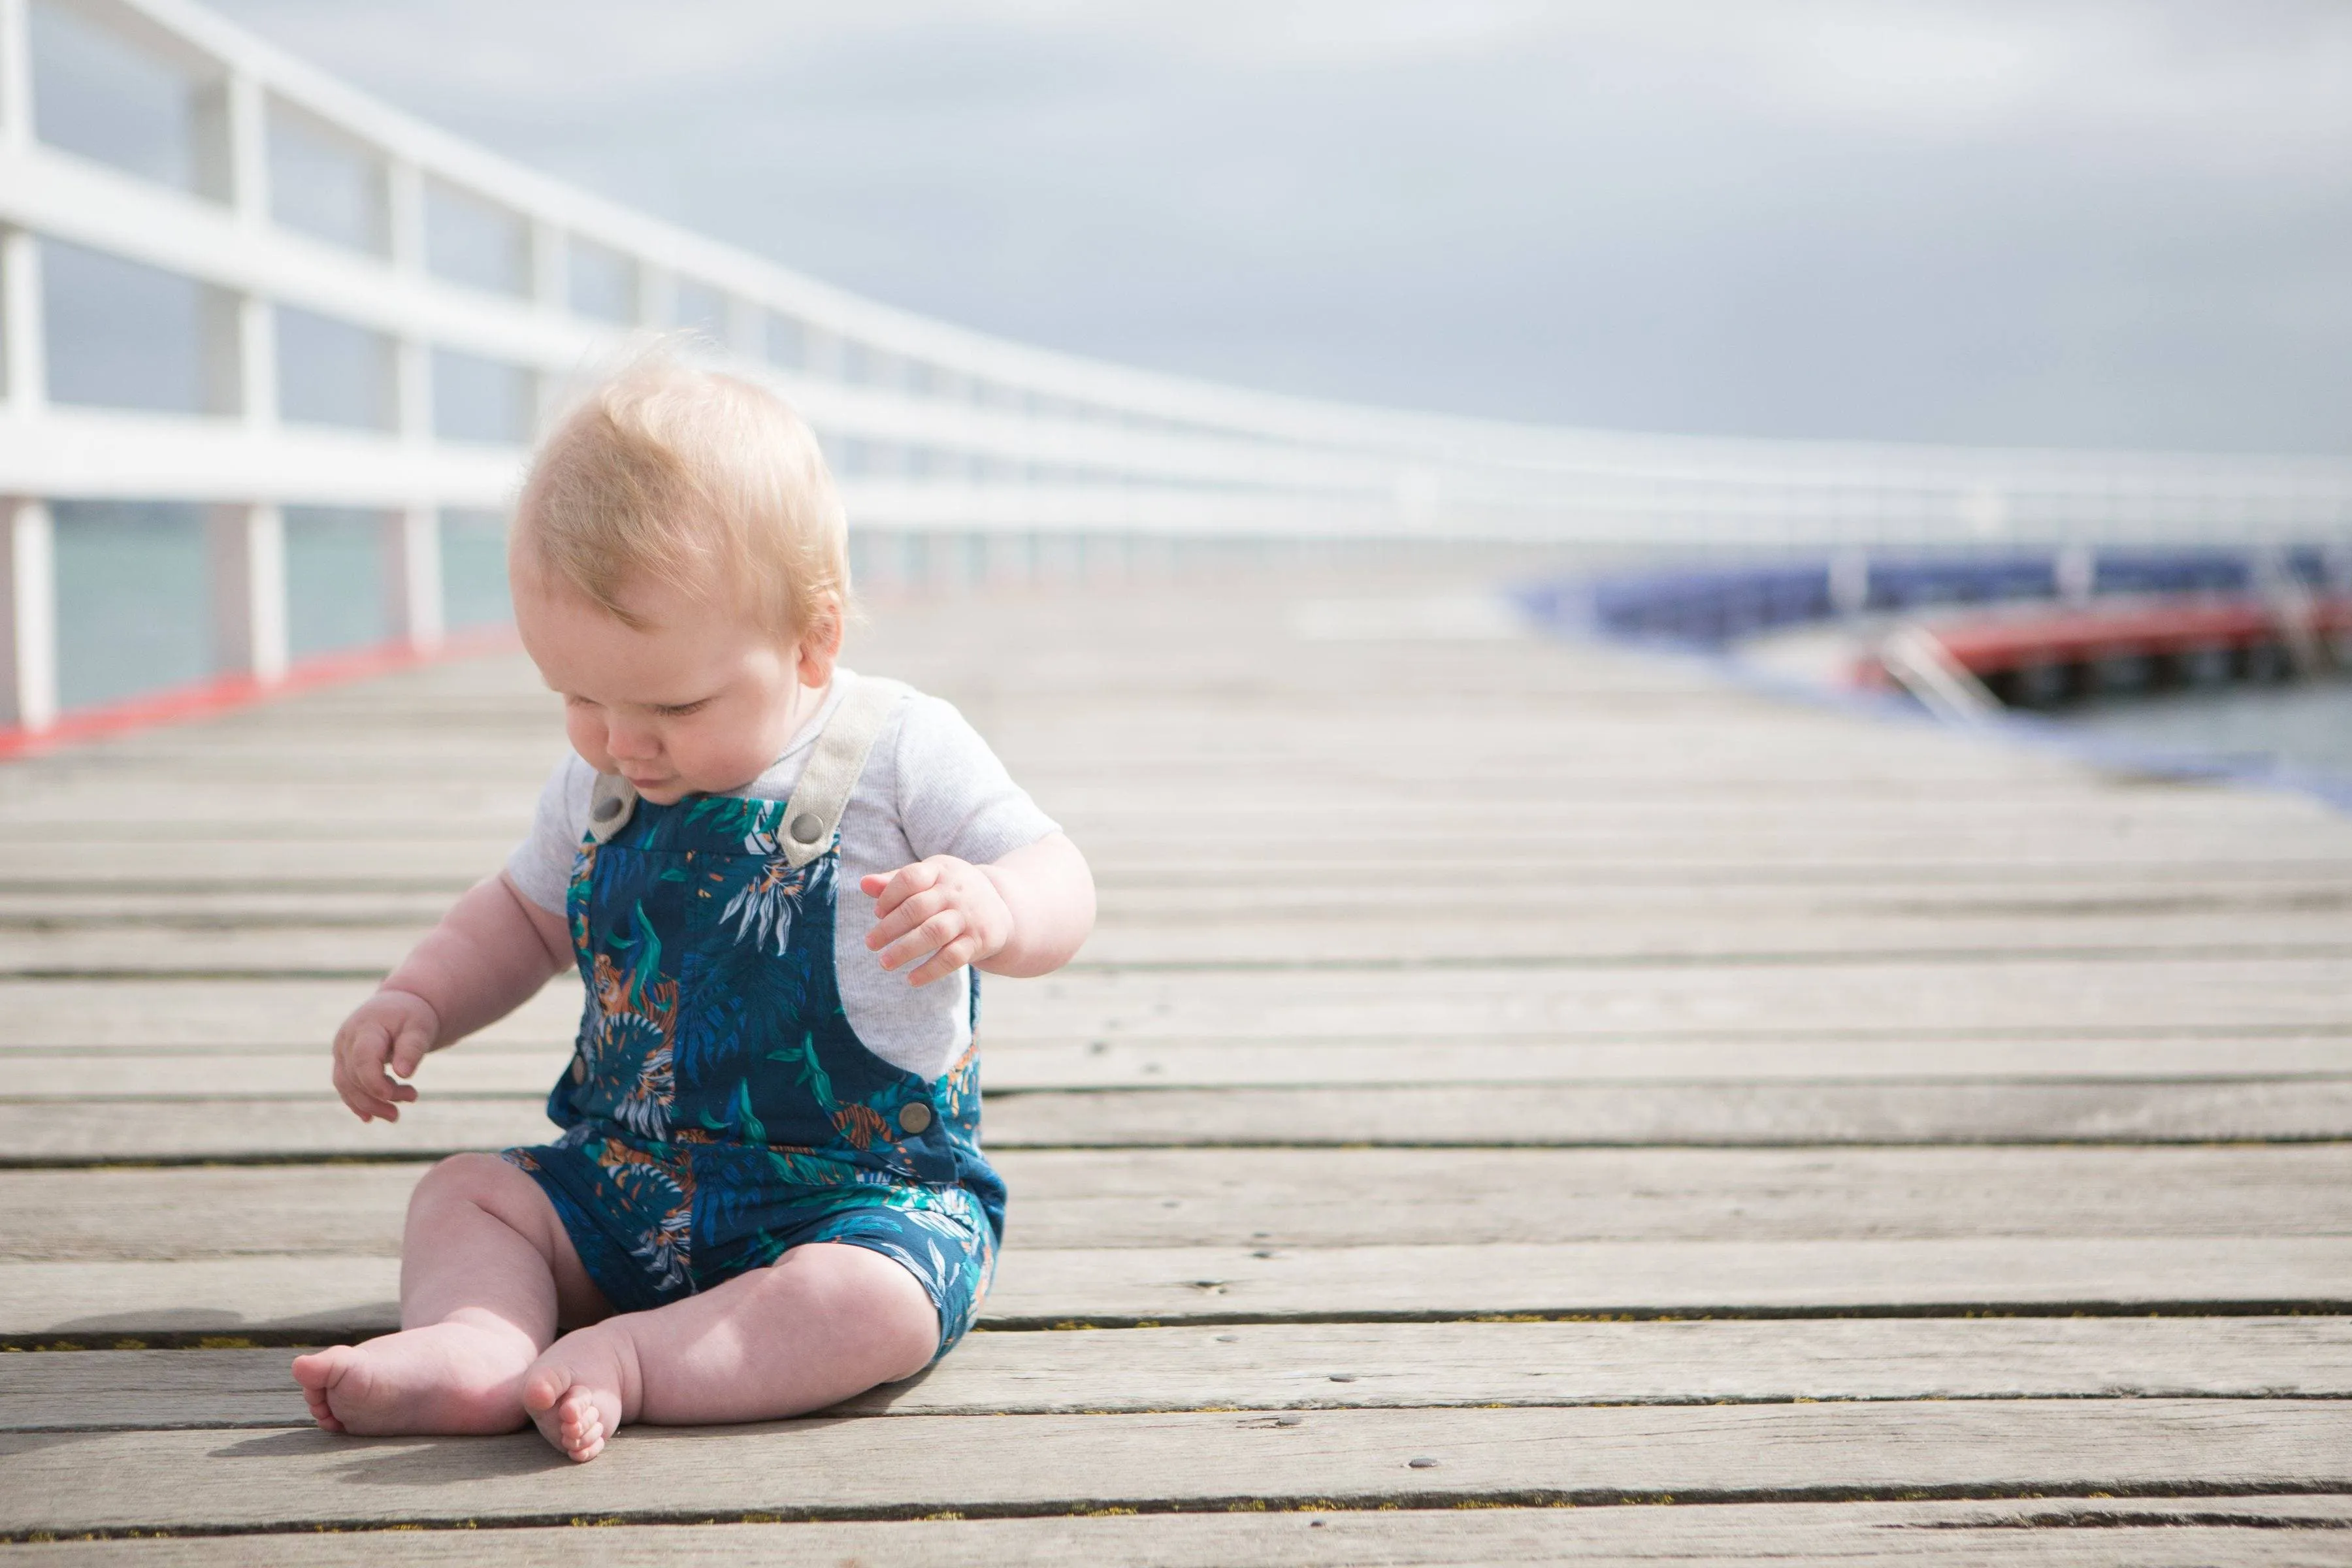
x=935, y=430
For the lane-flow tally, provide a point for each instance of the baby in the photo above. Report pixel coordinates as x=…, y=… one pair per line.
x=774, y=876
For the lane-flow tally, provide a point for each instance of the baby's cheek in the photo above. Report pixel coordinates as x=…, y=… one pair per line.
x=714, y=759
x=587, y=738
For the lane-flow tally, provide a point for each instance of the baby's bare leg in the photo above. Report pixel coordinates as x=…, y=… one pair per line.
x=485, y=1271
x=826, y=1321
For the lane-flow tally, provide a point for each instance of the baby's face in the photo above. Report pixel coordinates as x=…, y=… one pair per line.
x=698, y=701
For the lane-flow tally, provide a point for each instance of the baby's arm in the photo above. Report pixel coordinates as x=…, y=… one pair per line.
x=1025, y=914
x=491, y=952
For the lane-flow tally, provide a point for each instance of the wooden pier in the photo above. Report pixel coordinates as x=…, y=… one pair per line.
x=1516, y=1086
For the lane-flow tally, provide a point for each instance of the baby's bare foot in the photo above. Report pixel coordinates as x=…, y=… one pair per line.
x=445, y=1377
x=584, y=1388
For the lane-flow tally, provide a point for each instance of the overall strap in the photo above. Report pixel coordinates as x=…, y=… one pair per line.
x=826, y=783
x=611, y=800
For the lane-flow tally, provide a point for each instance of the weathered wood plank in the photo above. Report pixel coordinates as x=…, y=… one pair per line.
x=1723, y=1056
x=183, y=1480
x=116, y=807
x=2058, y=995
x=1557, y=813
x=80, y=1013
x=2026, y=997
x=1671, y=1114
x=488, y=1065
x=1156, y=912
x=1385, y=1366
x=67, y=1075
x=1157, y=737
x=453, y=863
x=297, y=948
x=323, y=1293
x=129, y=1122
x=2143, y=1532
x=1311, y=1199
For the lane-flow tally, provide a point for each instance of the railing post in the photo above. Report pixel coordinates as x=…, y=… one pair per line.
x=2076, y=575
x=16, y=76
x=747, y=330
x=656, y=298
x=412, y=391
x=412, y=533
x=822, y=351
x=413, y=575
x=29, y=614
x=403, y=216
x=246, y=544
x=26, y=372
x=551, y=281
x=28, y=574
x=257, y=363
x=248, y=149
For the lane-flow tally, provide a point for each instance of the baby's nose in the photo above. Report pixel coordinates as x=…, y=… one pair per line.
x=632, y=744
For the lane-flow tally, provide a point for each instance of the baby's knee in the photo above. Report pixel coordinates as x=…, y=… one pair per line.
x=486, y=1181
x=876, y=1300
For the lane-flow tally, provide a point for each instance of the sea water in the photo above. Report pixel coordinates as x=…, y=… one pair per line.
x=2305, y=726
x=134, y=595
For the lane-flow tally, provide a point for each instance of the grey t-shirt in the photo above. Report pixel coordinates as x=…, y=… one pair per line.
x=931, y=786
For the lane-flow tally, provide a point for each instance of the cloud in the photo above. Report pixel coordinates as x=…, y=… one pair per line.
x=2094, y=221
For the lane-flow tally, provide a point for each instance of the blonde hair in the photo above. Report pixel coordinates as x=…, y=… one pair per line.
x=691, y=478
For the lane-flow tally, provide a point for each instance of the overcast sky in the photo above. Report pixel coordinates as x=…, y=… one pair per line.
x=2064, y=221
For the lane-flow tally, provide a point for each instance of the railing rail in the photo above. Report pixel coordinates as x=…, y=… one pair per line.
x=935, y=429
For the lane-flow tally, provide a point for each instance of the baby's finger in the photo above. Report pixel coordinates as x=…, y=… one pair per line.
x=360, y=1035
x=359, y=1079
x=359, y=1048
x=903, y=884
x=906, y=917
x=408, y=1052
x=929, y=937
x=376, y=1081
x=947, y=961
x=367, y=1107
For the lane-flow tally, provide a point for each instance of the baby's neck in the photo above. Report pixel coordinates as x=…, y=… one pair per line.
x=809, y=706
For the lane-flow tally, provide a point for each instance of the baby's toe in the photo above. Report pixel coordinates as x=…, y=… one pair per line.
x=583, y=1426
x=580, y=1411
x=316, y=1373
x=542, y=1388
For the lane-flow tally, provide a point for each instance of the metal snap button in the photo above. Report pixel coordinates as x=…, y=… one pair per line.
x=608, y=808
x=805, y=828
x=915, y=1117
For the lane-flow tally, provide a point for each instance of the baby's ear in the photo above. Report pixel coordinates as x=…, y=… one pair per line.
x=820, y=645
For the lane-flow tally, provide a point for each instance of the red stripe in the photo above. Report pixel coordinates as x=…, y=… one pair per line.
x=1988, y=647
x=178, y=704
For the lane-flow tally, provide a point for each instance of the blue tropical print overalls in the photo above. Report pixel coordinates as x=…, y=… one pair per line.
x=720, y=1110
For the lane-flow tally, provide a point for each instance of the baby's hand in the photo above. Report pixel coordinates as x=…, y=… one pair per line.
x=947, y=908
x=390, y=1026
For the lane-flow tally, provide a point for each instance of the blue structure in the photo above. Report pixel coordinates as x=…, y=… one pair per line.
x=1710, y=608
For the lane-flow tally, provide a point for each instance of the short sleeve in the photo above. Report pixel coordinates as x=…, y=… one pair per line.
x=541, y=866
x=954, y=797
